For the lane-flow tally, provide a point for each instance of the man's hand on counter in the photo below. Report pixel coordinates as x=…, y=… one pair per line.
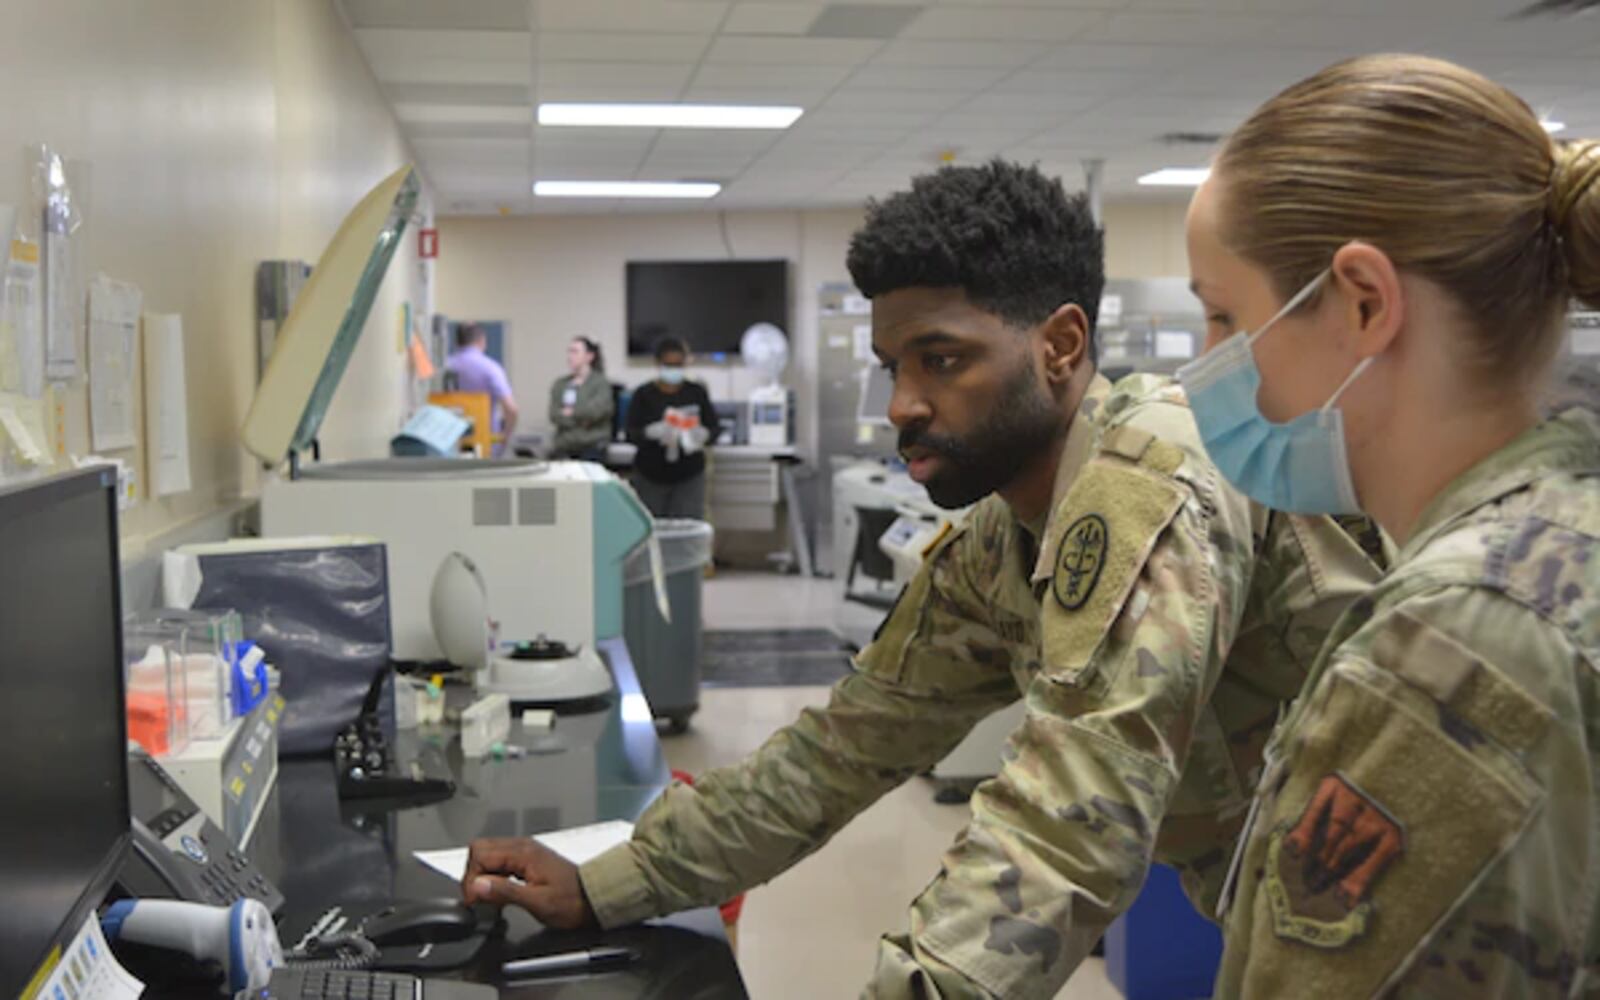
x=523, y=872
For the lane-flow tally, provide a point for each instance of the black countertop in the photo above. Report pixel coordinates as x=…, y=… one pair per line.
x=606, y=764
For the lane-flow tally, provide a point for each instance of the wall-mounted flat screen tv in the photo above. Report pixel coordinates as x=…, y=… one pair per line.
x=708, y=304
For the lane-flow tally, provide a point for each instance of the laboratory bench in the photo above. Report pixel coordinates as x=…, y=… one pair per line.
x=601, y=765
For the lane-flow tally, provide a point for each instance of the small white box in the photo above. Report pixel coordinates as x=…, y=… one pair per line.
x=484, y=723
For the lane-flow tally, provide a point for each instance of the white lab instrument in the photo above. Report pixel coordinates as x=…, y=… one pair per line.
x=526, y=673
x=231, y=777
x=765, y=349
x=548, y=539
x=241, y=939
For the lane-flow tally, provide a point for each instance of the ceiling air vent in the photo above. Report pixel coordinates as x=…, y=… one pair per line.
x=1558, y=8
x=862, y=20
x=1191, y=138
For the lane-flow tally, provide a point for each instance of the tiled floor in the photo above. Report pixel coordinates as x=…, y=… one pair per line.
x=813, y=931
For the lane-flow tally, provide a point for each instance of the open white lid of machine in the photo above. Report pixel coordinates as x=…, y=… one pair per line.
x=325, y=323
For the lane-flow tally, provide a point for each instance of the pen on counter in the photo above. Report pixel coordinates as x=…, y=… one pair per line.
x=568, y=960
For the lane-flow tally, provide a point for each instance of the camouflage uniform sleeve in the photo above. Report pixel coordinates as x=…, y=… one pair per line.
x=1307, y=572
x=1135, y=621
x=1426, y=832
x=932, y=672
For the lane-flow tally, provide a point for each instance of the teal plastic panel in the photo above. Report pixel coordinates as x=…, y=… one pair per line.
x=621, y=524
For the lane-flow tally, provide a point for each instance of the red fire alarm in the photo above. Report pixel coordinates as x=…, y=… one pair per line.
x=427, y=243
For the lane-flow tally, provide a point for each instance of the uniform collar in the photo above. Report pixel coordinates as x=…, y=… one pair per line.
x=1085, y=430
x=1568, y=441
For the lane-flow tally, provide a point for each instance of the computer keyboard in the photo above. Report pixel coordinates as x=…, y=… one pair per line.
x=302, y=984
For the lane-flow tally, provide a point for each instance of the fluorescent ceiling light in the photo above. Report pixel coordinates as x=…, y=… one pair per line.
x=1553, y=127
x=1176, y=177
x=625, y=189
x=669, y=115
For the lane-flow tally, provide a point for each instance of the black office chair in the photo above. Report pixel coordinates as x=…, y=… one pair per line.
x=871, y=523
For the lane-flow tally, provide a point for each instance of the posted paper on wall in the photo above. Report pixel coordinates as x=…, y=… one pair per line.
x=166, y=404
x=21, y=327
x=114, y=308
x=62, y=307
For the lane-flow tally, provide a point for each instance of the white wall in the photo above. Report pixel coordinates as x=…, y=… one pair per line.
x=1144, y=239
x=552, y=278
x=215, y=135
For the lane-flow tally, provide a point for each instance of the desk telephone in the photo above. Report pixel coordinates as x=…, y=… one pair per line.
x=179, y=853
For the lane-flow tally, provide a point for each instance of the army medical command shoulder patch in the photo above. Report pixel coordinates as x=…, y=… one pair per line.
x=1082, y=557
x=1320, y=871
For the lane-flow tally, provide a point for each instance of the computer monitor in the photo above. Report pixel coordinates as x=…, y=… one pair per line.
x=64, y=824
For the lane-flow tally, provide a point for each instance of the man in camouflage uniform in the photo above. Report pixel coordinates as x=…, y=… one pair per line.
x=1153, y=620
x=1425, y=799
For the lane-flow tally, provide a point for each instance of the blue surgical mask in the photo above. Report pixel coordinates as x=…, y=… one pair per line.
x=1300, y=466
x=671, y=376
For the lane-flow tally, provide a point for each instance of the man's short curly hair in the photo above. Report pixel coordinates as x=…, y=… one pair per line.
x=1008, y=236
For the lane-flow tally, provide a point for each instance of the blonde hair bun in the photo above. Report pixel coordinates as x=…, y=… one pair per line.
x=1575, y=213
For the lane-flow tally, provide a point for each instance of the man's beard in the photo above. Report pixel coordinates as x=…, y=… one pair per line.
x=1021, y=426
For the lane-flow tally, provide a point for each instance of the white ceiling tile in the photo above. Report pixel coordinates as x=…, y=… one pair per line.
x=803, y=97
x=618, y=46
x=980, y=55
x=477, y=114
x=1073, y=84
x=694, y=140
x=1040, y=106
x=759, y=51
x=1000, y=24
x=1178, y=28
x=607, y=92
x=758, y=78
x=771, y=18
x=610, y=141
x=575, y=166
x=852, y=98
x=694, y=17
x=663, y=79
x=960, y=79
x=881, y=112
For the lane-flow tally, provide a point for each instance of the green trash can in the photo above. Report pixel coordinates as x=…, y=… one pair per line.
x=666, y=655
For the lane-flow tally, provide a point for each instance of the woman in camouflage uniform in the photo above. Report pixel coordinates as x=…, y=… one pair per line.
x=1427, y=822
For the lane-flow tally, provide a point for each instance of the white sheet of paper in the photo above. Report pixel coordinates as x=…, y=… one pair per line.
x=89, y=971
x=1174, y=344
x=1110, y=310
x=20, y=322
x=114, y=309
x=166, y=405
x=61, y=309
x=577, y=844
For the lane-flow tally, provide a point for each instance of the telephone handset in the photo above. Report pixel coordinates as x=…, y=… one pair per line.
x=179, y=853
